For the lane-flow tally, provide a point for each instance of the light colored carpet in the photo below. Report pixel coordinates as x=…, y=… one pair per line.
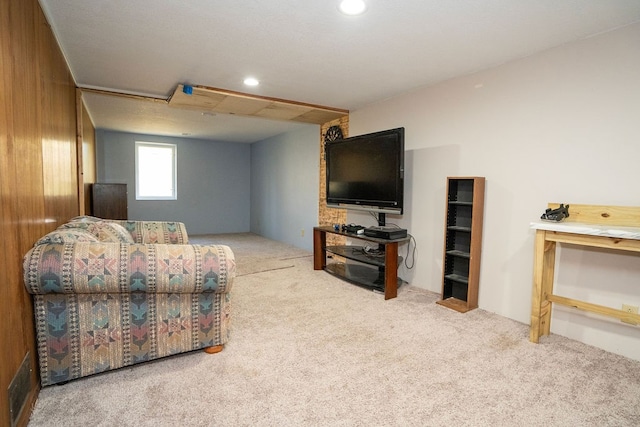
x=255, y=254
x=308, y=349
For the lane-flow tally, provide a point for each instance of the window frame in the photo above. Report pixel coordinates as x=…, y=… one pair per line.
x=174, y=169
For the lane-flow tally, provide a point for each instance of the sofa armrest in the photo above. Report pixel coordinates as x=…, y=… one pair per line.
x=169, y=232
x=98, y=267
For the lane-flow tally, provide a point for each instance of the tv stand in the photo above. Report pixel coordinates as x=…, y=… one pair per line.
x=377, y=272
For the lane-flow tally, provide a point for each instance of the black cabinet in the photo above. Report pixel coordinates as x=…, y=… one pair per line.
x=109, y=201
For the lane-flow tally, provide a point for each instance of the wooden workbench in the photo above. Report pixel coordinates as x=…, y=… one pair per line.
x=611, y=227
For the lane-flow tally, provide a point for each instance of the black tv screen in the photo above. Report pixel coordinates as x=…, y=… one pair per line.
x=366, y=172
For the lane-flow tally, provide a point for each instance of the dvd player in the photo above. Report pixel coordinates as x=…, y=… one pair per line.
x=385, y=232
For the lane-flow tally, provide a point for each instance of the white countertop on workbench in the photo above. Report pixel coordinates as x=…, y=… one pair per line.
x=589, y=229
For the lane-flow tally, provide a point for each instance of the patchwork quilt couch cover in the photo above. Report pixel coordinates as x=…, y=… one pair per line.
x=109, y=294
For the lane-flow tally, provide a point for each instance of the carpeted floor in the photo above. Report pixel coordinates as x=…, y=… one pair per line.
x=308, y=349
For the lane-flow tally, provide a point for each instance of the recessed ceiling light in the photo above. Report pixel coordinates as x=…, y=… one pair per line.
x=352, y=7
x=250, y=81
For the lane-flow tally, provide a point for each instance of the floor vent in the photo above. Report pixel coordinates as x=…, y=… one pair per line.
x=19, y=390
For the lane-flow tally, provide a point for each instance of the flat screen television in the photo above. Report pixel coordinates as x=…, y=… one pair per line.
x=366, y=172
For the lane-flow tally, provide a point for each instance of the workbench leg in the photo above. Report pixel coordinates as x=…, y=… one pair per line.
x=544, y=261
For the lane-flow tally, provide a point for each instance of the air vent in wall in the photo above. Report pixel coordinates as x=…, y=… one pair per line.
x=19, y=389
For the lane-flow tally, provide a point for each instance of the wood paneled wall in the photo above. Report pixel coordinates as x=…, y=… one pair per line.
x=88, y=175
x=38, y=172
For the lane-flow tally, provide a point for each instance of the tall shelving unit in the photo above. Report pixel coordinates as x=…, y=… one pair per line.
x=462, y=243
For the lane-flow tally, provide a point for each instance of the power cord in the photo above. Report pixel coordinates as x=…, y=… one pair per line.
x=413, y=253
x=411, y=239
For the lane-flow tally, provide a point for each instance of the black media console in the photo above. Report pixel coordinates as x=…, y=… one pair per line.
x=377, y=271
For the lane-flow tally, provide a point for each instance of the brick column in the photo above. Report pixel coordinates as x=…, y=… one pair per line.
x=330, y=216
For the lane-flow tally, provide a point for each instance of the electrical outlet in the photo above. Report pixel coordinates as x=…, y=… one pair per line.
x=631, y=309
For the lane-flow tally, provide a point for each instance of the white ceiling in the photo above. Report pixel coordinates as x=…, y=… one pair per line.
x=301, y=50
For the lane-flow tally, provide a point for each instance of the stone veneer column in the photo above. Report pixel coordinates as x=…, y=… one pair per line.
x=330, y=216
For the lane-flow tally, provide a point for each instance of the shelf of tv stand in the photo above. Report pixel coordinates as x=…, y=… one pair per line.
x=374, y=272
x=361, y=275
x=357, y=253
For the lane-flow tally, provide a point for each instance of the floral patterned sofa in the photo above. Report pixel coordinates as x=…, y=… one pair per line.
x=109, y=294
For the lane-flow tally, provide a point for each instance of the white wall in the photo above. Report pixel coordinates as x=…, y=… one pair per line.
x=213, y=181
x=559, y=126
x=285, y=185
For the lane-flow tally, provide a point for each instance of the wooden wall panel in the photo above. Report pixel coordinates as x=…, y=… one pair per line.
x=58, y=121
x=21, y=178
x=37, y=159
x=88, y=170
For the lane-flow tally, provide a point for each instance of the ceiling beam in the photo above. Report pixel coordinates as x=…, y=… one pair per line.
x=230, y=102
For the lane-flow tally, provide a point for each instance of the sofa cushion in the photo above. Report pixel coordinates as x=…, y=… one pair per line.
x=114, y=232
x=152, y=232
x=85, y=218
x=105, y=231
x=67, y=236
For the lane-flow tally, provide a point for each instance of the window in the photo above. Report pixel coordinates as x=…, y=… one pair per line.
x=156, y=171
